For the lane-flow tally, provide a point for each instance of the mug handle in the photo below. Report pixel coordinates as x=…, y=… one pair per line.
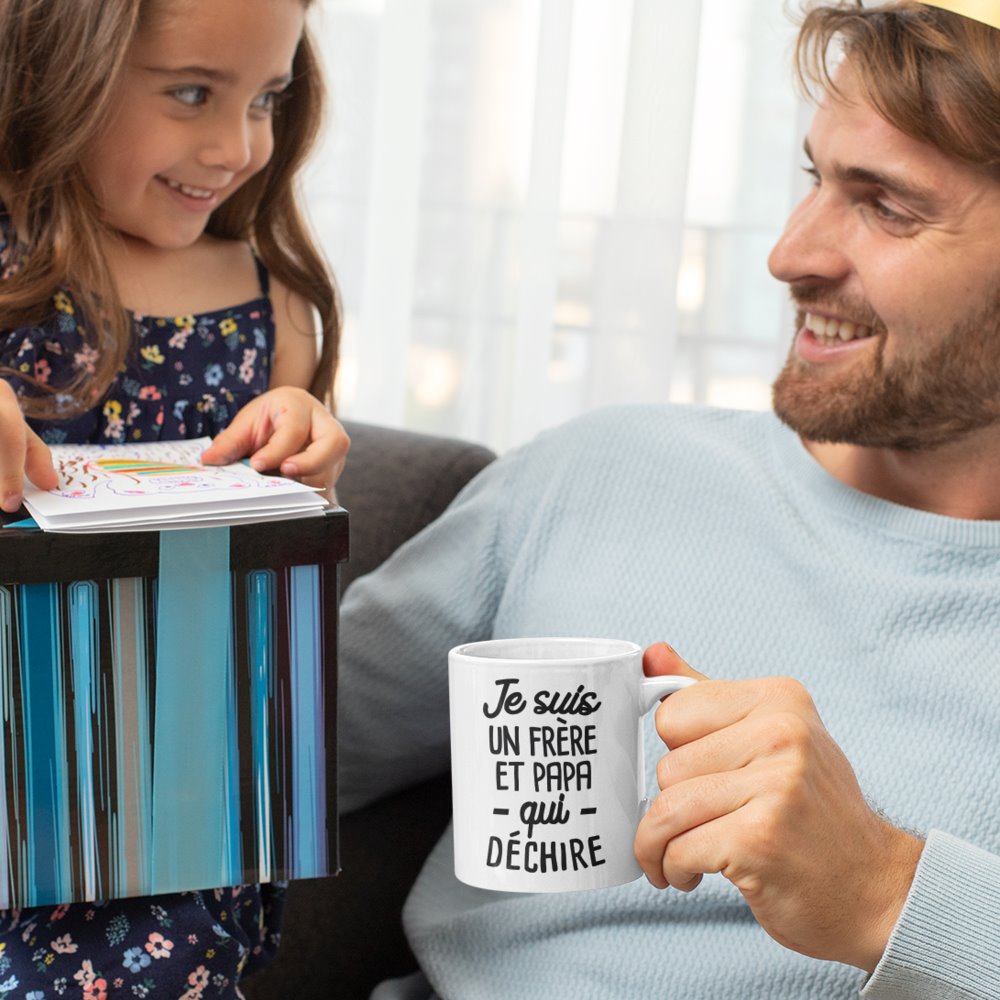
x=655, y=689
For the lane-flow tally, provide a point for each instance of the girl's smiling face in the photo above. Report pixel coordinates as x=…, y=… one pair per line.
x=192, y=119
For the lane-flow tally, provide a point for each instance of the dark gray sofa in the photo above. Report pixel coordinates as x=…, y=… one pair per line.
x=343, y=935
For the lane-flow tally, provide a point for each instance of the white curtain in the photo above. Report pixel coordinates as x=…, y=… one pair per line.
x=538, y=207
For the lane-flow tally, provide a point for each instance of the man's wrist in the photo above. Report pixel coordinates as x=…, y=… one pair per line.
x=891, y=886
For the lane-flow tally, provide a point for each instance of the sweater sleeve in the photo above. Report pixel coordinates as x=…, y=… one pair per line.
x=946, y=943
x=397, y=624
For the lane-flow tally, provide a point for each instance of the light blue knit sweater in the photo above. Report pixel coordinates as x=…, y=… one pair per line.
x=717, y=532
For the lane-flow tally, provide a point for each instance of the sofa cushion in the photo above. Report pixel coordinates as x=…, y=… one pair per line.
x=342, y=936
x=394, y=484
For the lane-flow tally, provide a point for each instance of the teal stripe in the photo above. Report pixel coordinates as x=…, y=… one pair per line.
x=7, y=713
x=234, y=846
x=133, y=764
x=189, y=833
x=308, y=757
x=260, y=640
x=143, y=795
x=83, y=619
x=119, y=839
x=43, y=706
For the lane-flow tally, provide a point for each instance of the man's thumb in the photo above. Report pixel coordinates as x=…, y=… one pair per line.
x=663, y=659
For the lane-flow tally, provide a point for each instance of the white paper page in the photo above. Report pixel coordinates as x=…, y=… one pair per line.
x=201, y=522
x=181, y=512
x=139, y=481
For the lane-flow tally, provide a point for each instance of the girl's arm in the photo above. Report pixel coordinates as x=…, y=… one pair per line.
x=287, y=428
x=296, y=348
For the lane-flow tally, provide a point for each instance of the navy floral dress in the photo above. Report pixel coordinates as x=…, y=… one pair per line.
x=186, y=377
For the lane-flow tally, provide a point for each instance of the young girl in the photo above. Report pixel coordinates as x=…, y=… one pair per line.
x=157, y=281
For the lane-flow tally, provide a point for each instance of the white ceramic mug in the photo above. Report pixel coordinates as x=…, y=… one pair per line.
x=547, y=762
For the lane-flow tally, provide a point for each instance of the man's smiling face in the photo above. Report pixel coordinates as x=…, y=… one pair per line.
x=892, y=262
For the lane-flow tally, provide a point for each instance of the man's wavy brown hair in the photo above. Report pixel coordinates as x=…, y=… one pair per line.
x=935, y=75
x=61, y=62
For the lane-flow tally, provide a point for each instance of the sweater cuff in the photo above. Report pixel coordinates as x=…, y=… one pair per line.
x=945, y=944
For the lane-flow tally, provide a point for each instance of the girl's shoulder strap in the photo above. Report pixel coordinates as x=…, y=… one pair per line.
x=4, y=227
x=262, y=276
x=8, y=257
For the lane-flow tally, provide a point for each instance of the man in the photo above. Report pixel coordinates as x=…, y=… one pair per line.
x=854, y=546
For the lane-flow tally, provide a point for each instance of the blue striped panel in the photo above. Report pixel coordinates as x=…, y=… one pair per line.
x=46, y=853
x=308, y=750
x=7, y=716
x=190, y=830
x=130, y=836
x=83, y=618
x=260, y=639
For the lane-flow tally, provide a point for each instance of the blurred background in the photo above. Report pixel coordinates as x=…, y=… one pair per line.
x=538, y=207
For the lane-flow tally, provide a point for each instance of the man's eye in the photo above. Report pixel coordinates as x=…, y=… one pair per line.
x=890, y=215
x=191, y=95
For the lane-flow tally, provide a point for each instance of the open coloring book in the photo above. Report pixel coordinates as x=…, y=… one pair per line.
x=160, y=485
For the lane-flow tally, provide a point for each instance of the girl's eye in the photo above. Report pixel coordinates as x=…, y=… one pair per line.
x=268, y=102
x=192, y=95
x=813, y=173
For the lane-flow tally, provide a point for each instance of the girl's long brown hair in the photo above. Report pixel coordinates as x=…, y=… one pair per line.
x=61, y=62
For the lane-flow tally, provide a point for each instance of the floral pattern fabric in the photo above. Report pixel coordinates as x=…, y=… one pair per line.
x=189, y=945
x=185, y=377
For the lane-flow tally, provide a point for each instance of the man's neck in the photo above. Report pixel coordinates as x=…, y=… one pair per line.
x=958, y=480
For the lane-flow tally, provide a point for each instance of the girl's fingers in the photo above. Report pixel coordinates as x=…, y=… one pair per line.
x=327, y=448
x=38, y=463
x=22, y=452
x=285, y=430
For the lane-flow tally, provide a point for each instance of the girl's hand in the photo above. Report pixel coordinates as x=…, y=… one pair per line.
x=755, y=787
x=289, y=430
x=22, y=452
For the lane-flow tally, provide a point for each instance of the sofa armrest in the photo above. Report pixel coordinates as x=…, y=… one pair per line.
x=395, y=483
x=342, y=936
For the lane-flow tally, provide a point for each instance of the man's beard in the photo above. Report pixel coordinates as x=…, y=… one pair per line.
x=912, y=403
